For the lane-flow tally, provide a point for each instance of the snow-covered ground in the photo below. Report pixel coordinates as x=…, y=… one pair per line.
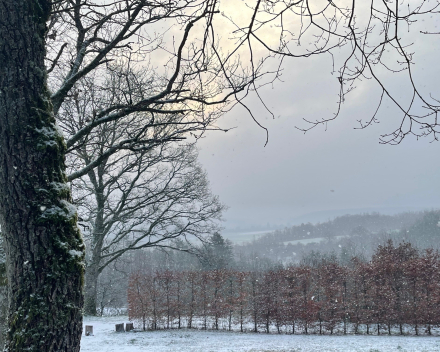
x=105, y=339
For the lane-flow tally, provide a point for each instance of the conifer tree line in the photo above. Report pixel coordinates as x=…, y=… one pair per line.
x=398, y=290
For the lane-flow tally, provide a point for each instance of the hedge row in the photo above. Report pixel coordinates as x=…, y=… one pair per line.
x=399, y=286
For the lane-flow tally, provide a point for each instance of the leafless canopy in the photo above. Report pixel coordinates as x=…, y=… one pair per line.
x=367, y=40
x=194, y=59
x=157, y=61
x=145, y=200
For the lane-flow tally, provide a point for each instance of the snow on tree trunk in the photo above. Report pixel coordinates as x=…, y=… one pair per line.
x=44, y=248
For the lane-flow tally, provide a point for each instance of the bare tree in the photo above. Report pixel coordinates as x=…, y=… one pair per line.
x=125, y=175
x=143, y=200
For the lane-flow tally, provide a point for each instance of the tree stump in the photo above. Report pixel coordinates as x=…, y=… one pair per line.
x=89, y=330
x=120, y=327
x=129, y=327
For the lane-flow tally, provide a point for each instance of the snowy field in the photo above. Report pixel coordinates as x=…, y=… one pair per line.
x=105, y=339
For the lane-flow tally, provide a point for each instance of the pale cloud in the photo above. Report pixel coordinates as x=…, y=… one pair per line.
x=295, y=173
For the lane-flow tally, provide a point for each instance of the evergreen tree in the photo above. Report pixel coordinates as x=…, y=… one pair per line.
x=217, y=253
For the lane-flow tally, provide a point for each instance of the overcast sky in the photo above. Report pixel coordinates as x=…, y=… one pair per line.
x=324, y=170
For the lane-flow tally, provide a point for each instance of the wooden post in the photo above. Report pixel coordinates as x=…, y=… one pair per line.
x=129, y=327
x=120, y=327
x=89, y=330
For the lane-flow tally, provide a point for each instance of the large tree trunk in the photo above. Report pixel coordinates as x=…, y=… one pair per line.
x=92, y=270
x=44, y=247
x=91, y=290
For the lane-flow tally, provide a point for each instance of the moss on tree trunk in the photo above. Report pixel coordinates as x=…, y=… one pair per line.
x=44, y=248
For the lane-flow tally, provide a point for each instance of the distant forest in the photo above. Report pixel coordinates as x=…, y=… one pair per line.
x=345, y=236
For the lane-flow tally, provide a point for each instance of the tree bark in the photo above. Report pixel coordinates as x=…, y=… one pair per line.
x=92, y=270
x=91, y=290
x=44, y=247
x=3, y=298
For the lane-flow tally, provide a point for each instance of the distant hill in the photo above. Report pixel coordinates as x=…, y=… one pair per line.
x=328, y=215
x=346, y=235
